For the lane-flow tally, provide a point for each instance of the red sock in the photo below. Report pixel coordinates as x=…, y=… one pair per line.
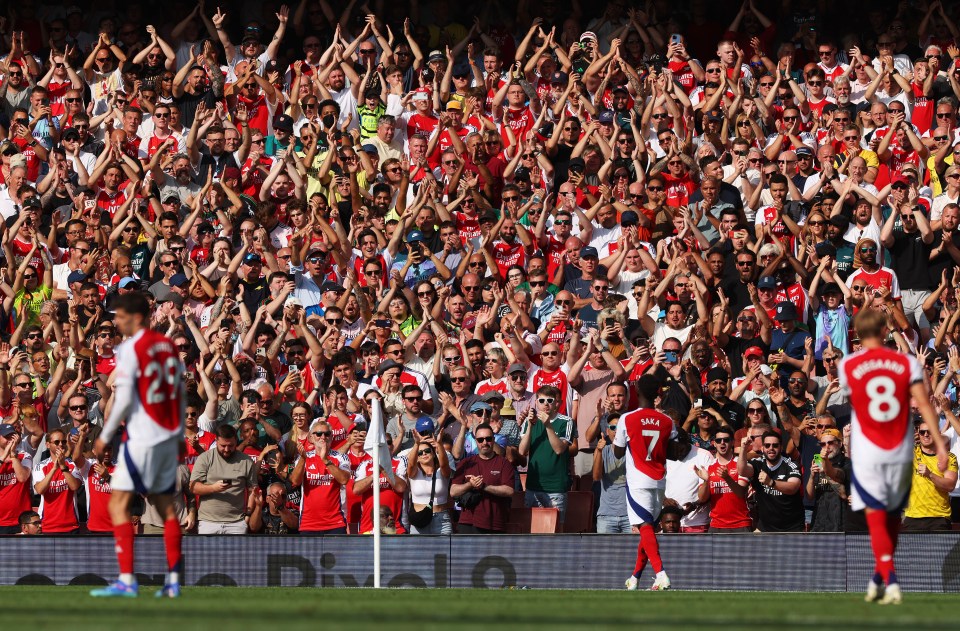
x=641, y=559
x=893, y=528
x=172, y=538
x=881, y=542
x=123, y=536
x=648, y=539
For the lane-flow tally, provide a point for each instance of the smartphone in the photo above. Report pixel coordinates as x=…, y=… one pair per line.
x=261, y=352
x=228, y=482
x=675, y=38
x=383, y=324
x=698, y=403
x=670, y=356
x=293, y=370
x=818, y=460
x=188, y=375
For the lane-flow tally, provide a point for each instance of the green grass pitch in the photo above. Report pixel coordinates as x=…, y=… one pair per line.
x=302, y=608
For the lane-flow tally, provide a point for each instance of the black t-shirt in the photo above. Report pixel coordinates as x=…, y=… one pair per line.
x=829, y=507
x=777, y=512
x=732, y=411
x=255, y=293
x=911, y=260
x=942, y=261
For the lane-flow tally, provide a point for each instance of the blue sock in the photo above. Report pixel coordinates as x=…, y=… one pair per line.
x=893, y=578
x=878, y=579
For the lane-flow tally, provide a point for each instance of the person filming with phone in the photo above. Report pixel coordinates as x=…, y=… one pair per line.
x=225, y=479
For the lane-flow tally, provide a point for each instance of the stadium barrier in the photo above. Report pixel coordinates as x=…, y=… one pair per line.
x=737, y=562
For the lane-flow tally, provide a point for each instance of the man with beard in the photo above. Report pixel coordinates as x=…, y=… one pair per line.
x=909, y=250
x=866, y=217
x=871, y=273
x=190, y=96
x=181, y=184
x=776, y=481
x=723, y=487
x=506, y=250
x=716, y=398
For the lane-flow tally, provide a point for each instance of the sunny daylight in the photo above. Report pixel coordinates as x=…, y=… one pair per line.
x=537, y=314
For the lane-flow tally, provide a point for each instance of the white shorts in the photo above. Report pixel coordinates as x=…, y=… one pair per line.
x=880, y=485
x=148, y=468
x=643, y=505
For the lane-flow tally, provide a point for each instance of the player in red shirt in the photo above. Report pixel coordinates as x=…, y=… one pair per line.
x=322, y=472
x=56, y=480
x=643, y=436
x=724, y=488
x=881, y=383
x=149, y=396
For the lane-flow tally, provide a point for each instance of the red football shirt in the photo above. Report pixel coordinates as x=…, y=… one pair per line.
x=320, y=507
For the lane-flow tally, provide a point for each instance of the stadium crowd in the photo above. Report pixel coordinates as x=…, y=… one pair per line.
x=500, y=222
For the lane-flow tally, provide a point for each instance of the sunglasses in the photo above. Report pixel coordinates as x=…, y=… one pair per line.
x=755, y=411
x=796, y=380
x=454, y=358
x=721, y=440
x=411, y=399
x=771, y=445
x=546, y=400
x=424, y=452
x=923, y=432
x=77, y=408
x=828, y=442
x=323, y=434
x=518, y=376
x=483, y=439
x=868, y=250
x=457, y=379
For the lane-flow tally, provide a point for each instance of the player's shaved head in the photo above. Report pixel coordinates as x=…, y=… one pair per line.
x=870, y=323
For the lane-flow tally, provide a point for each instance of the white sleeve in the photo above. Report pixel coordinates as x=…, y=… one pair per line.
x=206, y=424
x=38, y=474
x=620, y=438
x=125, y=382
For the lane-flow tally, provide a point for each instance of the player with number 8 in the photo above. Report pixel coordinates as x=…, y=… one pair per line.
x=880, y=383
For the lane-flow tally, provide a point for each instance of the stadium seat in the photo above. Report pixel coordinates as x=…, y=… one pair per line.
x=544, y=520
x=579, y=517
x=520, y=517
x=583, y=483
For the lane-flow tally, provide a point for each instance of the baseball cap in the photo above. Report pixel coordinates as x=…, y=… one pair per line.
x=32, y=202
x=6, y=429
x=830, y=107
x=414, y=236
x=76, y=277
x=252, y=258
x=421, y=95
x=370, y=149
x=171, y=199
x=231, y=173
x=899, y=179
x=606, y=117
x=785, y=312
x=629, y=218
x=576, y=163
x=454, y=105
x=752, y=351
x=126, y=281
x=589, y=252
x=179, y=279
x=292, y=301
x=839, y=221
x=767, y=282
x=487, y=216
x=176, y=299
x=205, y=228
x=804, y=150
x=560, y=77
x=425, y=425
x=713, y=115
x=387, y=365
x=588, y=35
x=517, y=367
x=70, y=134
x=521, y=174
x=283, y=122
x=435, y=55
x=359, y=426
x=493, y=395
x=830, y=288
x=480, y=406
x=331, y=286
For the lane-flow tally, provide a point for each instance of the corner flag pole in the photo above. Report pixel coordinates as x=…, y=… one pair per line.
x=376, y=445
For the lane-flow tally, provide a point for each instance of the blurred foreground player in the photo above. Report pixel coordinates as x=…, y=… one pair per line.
x=880, y=383
x=149, y=396
x=644, y=435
